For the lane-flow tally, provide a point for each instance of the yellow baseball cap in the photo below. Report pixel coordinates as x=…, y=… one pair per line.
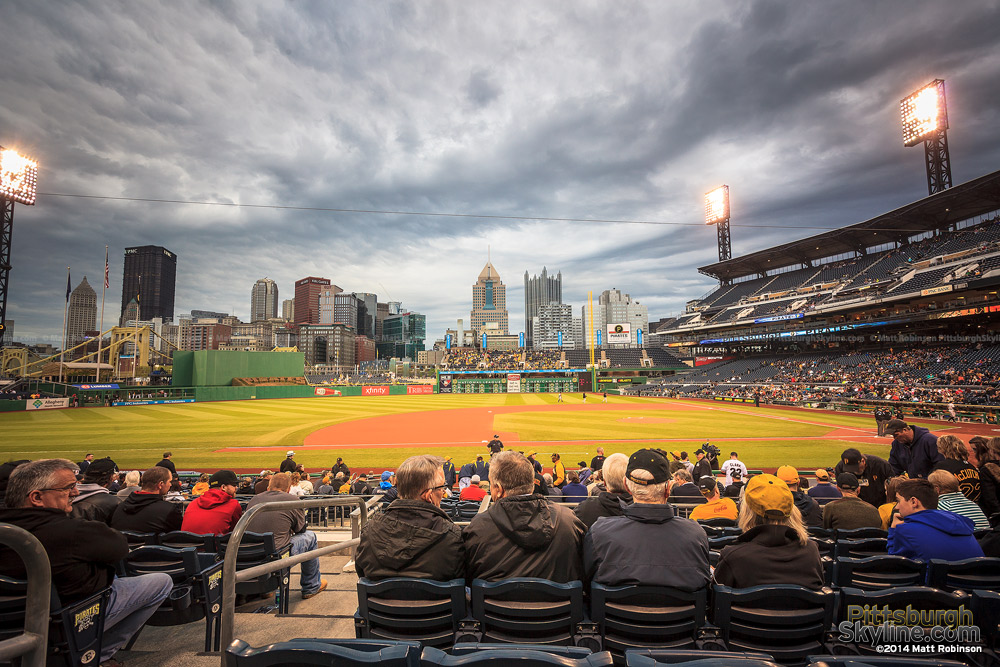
x=769, y=496
x=788, y=474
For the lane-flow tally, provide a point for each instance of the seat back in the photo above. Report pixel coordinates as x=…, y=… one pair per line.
x=136, y=540
x=912, y=599
x=986, y=612
x=861, y=548
x=180, y=564
x=973, y=574
x=503, y=656
x=788, y=622
x=528, y=611
x=76, y=630
x=635, y=617
x=255, y=548
x=464, y=648
x=859, y=533
x=718, y=522
x=342, y=652
x=417, y=610
x=180, y=539
x=656, y=657
x=877, y=573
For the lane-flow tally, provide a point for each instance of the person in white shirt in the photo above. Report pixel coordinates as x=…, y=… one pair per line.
x=733, y=468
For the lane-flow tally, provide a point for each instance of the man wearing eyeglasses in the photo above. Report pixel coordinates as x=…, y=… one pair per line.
x=82, y=553
x=413, y=536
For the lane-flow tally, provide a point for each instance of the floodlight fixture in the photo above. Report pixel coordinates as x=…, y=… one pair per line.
x=18, y=177
x=717, y=205
x=924, y=113
x=717, y=213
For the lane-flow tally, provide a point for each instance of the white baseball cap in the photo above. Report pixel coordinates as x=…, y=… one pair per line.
x=289, y=453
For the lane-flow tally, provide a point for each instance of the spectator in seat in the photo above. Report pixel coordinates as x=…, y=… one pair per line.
x=584, y=472
x=165, y=462
x=132, y=478
x=5, y=472
x=289, y=464
x=922, y=531
x=574, y=491
x=717, y=507
x=537, y=465
x=610, y=501
x=481, y=468
x=361, y=486
x=889, y=511
x=550, y=489
x=465, y=475
x=216, y=511
x=735, y=490
x=146, y=511
x=849, y=512
x=683, y=489
x=521, y=534
x=413, y=537
x=325, y=488
x=955, y=452
x=85, y=463
x=985, y=455
x=675, y=463
x=810, y=510
x=94, y=501
x=871, y=471
x=450, y=476
x=774, y=547
x=472, y=491
x=951, y=499
x=201, y=486
x=82, y=553
x=387, y=487
x=823, y=488
x=914, y=449
x=264, y=481
x=616, y=550
x=288, y=527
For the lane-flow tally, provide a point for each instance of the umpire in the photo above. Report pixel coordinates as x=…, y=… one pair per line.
x=882, y=416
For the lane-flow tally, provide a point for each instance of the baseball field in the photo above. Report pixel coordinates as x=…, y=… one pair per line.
x=376, y=433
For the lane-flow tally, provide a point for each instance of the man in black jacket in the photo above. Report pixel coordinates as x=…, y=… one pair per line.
x=165, y=462
x=145, y=510
x=94, y=501
x=82, y=554
x=413, y=536
x=617, y=550
x=703, y=468
x=521, y=534
x=609, y=502
x=341, y=467
x=871, y=471
x=289, y=464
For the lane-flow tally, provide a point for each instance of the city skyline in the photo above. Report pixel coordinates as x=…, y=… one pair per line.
x=633, y=113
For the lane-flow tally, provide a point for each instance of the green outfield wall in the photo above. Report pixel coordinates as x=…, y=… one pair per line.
x=217, y=368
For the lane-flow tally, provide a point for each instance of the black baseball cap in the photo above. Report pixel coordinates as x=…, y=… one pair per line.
x=649, y=460
x=101, y=467
x=846, y=480
x=708, y=482
x=223, y=477
x=852, y=462
x=895, y=425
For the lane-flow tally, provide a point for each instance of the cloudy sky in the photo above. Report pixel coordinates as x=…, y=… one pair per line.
x=583, y=110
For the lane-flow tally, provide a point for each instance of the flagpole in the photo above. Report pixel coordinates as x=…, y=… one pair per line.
x=100, y=337
x=62, y=351
x=135, y=339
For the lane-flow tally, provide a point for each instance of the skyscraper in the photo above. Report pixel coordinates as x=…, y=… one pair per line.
x=489, y=303
x=612, y=308
x=263, y=300
x=539, y=291
x=158, y=268
x=367, y=307
x=288, y=309
x=81, y=315
x=345, y=310
x=307, y=299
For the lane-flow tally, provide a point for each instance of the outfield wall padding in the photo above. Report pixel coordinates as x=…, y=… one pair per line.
x=285, y=391
x=217, y=368
x=12, y=406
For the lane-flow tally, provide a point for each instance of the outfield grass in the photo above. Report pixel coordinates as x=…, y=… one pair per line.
x=135, y=436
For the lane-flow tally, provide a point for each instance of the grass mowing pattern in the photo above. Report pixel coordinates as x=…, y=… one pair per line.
x=136, y=436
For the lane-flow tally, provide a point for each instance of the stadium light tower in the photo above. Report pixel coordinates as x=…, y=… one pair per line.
x=18, y=175
x=717, y=213
x=925, y=118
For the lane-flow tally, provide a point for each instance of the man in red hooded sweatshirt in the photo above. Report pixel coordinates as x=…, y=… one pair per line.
x=216, y=511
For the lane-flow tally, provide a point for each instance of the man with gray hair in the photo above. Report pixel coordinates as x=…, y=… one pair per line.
x=413, y=536
x=82, y=553
x=617, y=550
x=522, y=534
x=610, y=502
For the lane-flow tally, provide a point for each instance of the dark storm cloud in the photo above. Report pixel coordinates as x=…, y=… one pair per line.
x=623, y=110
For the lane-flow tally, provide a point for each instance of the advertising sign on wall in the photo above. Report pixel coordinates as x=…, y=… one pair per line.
x=46, y=403
x=445, y=384
x=412, y=389
x=326, y=391
x=619, y=334
x=514, y=383
x=375, y=390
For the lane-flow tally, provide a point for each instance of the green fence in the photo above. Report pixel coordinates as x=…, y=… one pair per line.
x=213, y=368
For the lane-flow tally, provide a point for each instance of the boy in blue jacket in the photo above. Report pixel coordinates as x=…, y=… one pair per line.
x=922, y=532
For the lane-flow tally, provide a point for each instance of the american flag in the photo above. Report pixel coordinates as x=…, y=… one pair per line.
x=107, y=281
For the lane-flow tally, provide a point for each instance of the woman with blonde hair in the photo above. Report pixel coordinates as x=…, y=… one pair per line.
x=202, y=485
x=296, y=489
x=774, y=547
x=956, y=462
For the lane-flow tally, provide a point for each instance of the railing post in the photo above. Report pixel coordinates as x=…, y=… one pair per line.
x=33, y=644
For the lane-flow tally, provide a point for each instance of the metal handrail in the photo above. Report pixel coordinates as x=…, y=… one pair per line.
x=33, y=642
x=230, y=576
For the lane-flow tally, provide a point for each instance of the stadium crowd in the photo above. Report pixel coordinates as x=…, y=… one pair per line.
x=936, y=497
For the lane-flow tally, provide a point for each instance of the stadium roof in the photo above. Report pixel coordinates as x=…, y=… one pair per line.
x=938, y=211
